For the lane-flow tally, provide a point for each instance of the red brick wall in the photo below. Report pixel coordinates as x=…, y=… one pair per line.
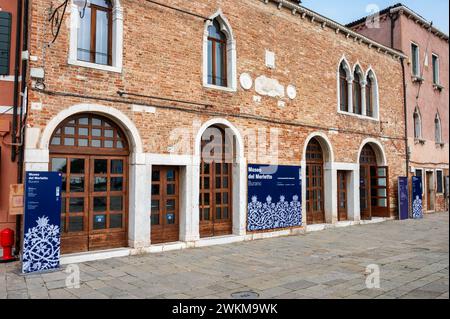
x=163, y=57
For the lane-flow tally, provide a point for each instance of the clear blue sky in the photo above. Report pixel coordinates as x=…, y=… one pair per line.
x=346, y=11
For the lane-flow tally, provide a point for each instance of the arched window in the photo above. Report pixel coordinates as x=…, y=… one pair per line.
x=95, y=32
x=417, y=125
x=96, y=36
x=437, y=129
x=369, y=97
x=343, y=89
x=217, y=55
x=357, y=102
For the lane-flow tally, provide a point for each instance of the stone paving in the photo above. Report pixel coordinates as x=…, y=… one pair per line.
x=413, y=257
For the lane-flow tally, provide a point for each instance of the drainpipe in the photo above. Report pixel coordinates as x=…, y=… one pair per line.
x=22, y=119
x=18, y=59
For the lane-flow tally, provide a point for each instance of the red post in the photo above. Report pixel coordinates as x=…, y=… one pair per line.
x=7, y=242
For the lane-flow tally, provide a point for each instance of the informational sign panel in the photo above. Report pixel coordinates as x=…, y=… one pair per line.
x=417, y=190
x=41, y=243
x=403, y=198
x=274, y=197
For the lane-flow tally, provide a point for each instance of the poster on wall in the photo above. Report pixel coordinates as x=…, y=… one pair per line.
x=403, y=198
x=417, y=190
x=41, y=242
x=274, y=197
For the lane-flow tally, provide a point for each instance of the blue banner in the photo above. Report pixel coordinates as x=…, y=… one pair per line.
x=403, y=198
x=417, y=190
x=41, y=242
x=274, y=197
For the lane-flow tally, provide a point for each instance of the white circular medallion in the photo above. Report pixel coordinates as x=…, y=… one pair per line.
x=291, y=92
x=246, y=81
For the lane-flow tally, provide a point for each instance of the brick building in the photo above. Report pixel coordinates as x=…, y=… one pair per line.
x=426, y=81
x=126, y=109
x=12, y=102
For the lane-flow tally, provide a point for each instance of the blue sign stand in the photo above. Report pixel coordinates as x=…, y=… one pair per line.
x=274, y=197
x=42, y=238
x=403, y=198
x=417, y=190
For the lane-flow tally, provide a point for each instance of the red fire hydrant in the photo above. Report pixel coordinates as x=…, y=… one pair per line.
x=7, y=242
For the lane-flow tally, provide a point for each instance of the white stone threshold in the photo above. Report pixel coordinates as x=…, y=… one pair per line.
x=320, y=227
x=205, y=242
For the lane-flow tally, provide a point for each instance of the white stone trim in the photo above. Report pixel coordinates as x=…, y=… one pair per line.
x=376, y=97
x=239, y=176
x=231, y=53
x=126, y=124
x=378, y=149
x=343, y=61
x=37, y=159
x=117, y=39
x=330, y=178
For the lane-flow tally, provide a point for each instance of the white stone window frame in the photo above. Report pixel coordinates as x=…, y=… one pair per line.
x=418, y=60
x=350, y=79
x=417, y=111
x=438, y=118
x=225, y=27
x=117, y=39
x=437, y=75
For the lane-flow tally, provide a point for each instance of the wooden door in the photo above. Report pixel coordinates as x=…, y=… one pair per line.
x=342, y=195
x=165, y=205
x=215, y=201
x=315, y=210
x=91, y=152
x=108, y=202
x=430, y=191
x=367, y=160
x=379, y=191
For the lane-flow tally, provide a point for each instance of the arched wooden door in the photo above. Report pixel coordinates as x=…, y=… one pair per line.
x=374, y=185
x=91, y=152
x=216, y=183
x=315, y=210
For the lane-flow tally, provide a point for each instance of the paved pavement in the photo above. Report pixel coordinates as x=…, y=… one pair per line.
x=413, y=257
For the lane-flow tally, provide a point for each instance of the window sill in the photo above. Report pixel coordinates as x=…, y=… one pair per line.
x=220, y=88
x=100, y=67
x=438, y=87
x=417, y=79
x=362, y=117
x=419, y=141
x=441, y=145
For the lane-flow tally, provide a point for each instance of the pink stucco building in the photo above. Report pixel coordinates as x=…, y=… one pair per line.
x=426, y=94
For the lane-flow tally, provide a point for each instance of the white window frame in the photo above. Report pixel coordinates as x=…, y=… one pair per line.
x=231, y=54
x=437, y=117
x=117, y=40
x=438, y=82
x=418, y=60
x=417, y=111
x=350, y=79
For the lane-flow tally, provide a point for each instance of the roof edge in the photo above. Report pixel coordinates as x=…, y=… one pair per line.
x=337, y=27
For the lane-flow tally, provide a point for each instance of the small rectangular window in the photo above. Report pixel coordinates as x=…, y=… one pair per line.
x=5, y=42
x=415, y=59
x=435, y=69
x=439, y=182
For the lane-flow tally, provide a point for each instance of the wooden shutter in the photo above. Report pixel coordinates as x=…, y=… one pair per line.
x=5, y=41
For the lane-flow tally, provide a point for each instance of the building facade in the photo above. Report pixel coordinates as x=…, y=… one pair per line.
x=426, y=81
x=153, y=115
x=12, y=103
